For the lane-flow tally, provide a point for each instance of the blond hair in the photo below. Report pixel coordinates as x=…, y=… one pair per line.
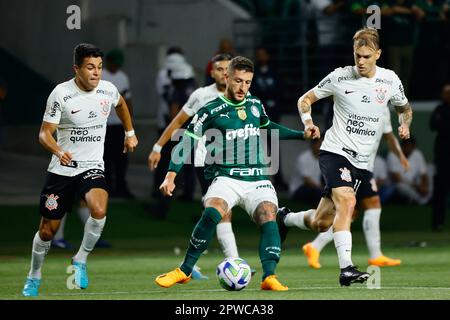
x=368, y=37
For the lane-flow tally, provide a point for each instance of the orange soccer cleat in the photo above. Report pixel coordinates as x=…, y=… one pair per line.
x=312, y=254
x=167, y=280
x=272, y=283
x=383, y=261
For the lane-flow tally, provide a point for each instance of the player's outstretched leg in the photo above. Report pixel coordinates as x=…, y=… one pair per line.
x=371, y=227
x=33, y=281
x=200, y=239
x=269, y=245
x=41, y=244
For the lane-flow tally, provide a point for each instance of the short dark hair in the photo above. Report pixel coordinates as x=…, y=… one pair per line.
x=367, y=37
x=241, y=63
x=84, y=50
x=221, y=57
x=173, y=50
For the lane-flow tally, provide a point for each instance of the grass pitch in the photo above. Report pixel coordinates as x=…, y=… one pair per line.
x=144, y=247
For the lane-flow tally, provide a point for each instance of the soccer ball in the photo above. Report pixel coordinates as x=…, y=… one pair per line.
x=234, y=274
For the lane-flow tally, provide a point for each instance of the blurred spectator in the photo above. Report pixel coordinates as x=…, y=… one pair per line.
x=332, y=50
x=225, y=46
x=267, y=86
x=116, y=162
x=439, y=121
x=402, y=16
x=428, y=73
x=381, y=176
x=412, y=185
x=175, y=83
x=3, y=92
x=306, y=184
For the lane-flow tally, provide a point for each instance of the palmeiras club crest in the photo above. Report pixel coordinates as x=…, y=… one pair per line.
x=51, y=203
x=381, y=94
x=345, y=174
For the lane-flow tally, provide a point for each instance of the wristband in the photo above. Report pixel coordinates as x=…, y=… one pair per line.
x=157, y=148
x=129, y=134
x=305, y=117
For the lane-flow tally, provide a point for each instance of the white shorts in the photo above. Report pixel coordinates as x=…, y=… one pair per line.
x=247, y=194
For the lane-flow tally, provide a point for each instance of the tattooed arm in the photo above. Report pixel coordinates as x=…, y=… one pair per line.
x=405, y=116
x=304, y=108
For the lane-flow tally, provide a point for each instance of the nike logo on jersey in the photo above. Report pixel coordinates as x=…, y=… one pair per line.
x=347, y=91
x=75, y=111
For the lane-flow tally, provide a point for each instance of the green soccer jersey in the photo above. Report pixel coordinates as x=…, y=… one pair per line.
x=233, y=144
x=232, y=132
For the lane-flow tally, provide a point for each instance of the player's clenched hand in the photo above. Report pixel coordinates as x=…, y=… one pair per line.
x=129, y=144
x=153, y=160
x=403, y=132
x=312, y=132
x=64, y=157
x=168, y=184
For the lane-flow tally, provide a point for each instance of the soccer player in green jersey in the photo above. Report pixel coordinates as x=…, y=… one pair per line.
x=238, y=168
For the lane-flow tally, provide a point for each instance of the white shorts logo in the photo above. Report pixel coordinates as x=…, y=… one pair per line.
x=345, y=175
x=373, y=184
x=51, y=203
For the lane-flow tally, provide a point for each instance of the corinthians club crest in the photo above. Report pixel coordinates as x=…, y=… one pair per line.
x=381, y=94
x=242, y=114
x=51, y=203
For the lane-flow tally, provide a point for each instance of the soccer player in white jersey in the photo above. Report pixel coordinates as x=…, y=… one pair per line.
x=198, y=99
x=361, y=94
x=77, y=110
x=368, y=201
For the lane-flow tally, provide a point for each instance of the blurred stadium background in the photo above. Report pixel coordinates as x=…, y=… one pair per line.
x=36, y=54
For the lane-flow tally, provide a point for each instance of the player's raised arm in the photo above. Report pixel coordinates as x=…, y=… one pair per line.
x=405, y=116
x=47, y=140
x=124, y=115
x=304, y=108
x=155, y=156
x=394, y=146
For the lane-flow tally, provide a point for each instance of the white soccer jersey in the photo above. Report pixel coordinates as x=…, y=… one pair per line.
x=196, y=101
x=122, y=83
x=359, y=105
x=81, y=118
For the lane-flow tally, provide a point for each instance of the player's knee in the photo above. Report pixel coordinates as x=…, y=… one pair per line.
x=98, y=211
x=347, y=203
x=226, y=217
x=321, y=225
x=265, y=211
x=46, y=234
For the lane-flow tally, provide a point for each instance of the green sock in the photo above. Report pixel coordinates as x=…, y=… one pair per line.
x=269, y=248
x=200, y=238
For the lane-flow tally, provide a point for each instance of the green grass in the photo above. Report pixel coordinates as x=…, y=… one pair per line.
x=144, y=247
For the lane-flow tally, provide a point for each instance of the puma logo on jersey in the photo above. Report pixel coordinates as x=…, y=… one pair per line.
x=75, y=111
x=225, y=115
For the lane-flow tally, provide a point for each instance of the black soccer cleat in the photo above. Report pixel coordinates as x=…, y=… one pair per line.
x=281, y=214
x=351, y=275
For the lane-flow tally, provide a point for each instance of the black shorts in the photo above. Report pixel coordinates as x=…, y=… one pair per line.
x=59, y=192
x=337, y=172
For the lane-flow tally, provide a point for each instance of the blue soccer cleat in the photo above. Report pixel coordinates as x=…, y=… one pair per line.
x=81, y=277
x=31, y=288
x=197, y=275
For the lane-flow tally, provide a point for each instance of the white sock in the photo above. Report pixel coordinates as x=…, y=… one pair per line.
x=84, y=214
x=323, y=239
x=92, y=232
x=371, y=226
x=38, y=253
x=59, y=235
x=226, y=239
x=297, y=219
x=343, y=244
